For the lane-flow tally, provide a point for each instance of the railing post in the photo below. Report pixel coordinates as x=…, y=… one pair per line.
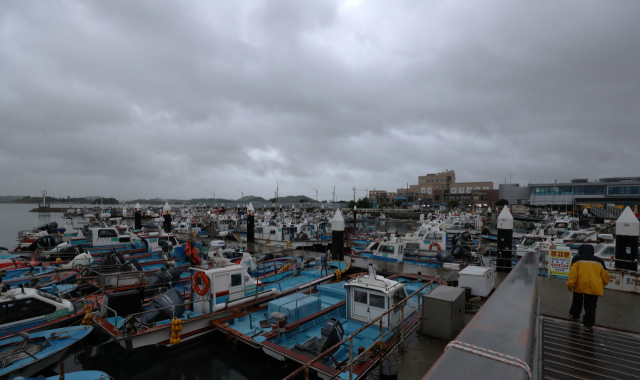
x=351, y=358
x=402, y=328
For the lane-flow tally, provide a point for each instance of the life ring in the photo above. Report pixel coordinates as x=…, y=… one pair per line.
x=436, y=244
x=205, y=281
x=128, y=214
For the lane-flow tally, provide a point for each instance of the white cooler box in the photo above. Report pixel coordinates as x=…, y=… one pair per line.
x=481, y=280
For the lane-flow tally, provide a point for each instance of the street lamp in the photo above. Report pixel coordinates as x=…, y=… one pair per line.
x=241, y=193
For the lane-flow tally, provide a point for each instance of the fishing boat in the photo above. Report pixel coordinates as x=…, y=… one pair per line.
x=393, y=250
x=374, y=310
x=216, y=291
x=27, y=354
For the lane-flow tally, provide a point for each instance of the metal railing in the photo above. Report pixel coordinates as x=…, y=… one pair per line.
x=349, y=365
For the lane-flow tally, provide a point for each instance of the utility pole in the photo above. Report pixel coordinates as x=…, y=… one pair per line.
x=354, y=194
x=553, y=197
x=334, y=193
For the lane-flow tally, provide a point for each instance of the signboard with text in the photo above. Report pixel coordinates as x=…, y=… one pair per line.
x=560, y=262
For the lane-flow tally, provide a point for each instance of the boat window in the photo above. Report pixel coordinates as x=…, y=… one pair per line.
x=173, y=240
x=193, y=225
x=375, y=246
x=50, y=296
x=273, y=232
x=107, y=233
x=386, y=248
x=566, y=235
x=360, y=297
x=399, y=295
x=376, y=301
x=259, y=230
x=598, y=247
x=25, y=309
x=125, y=239
x=236, y=279
x=561, y=225
x=610, y=251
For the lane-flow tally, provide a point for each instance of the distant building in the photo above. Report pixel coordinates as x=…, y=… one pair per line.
x=617, y=190
x=514, y=194
x=382, y=196
x=441, y=187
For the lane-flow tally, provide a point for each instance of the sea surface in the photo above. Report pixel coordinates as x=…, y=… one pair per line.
x=212, y=357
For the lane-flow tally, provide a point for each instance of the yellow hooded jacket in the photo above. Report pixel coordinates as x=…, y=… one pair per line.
x=588, y=273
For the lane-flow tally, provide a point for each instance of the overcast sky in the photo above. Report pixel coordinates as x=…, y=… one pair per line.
x=184, y=98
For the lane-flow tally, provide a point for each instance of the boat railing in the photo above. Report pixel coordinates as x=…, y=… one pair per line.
x=378, y=320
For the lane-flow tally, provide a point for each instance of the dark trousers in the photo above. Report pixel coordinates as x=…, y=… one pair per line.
x=589, y=302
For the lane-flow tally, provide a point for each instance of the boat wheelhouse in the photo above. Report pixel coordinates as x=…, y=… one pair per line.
x=25, y=308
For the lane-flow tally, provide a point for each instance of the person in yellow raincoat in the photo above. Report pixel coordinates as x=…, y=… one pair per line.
x=587, y=279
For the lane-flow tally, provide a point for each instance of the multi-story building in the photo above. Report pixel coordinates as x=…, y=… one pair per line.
x=382, y=196
x=438, y=187
x=618, y=190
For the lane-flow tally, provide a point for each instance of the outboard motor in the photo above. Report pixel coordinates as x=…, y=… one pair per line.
x=332, y=333
x=46, y=242
x=163, y=278
x=458, y=252
x=444, y=257
x=49, y=226
x=454, y=239
x=131, y=266
x=160, y=309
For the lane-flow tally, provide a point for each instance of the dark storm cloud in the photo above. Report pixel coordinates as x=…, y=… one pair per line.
x=176, y=99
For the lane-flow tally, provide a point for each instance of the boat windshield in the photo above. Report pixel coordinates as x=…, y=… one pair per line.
x=598, y=247
x=566, y=235
x=50, y=296
x=529, y=240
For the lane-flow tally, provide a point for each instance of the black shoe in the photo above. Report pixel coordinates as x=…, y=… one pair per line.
x=571, y=317
x=588, y=329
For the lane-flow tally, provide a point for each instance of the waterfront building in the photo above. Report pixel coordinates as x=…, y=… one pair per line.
x=617, y=190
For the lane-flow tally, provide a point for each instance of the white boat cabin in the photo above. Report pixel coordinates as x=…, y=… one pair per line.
x=277, y=232
x=24, y=308
x=223, y=287
x=108, y=236
x=429, y=237
x=389, y=250
x=528, y=240
x=371, y=295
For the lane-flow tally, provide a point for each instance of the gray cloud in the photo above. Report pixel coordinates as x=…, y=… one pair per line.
x=176, y=99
